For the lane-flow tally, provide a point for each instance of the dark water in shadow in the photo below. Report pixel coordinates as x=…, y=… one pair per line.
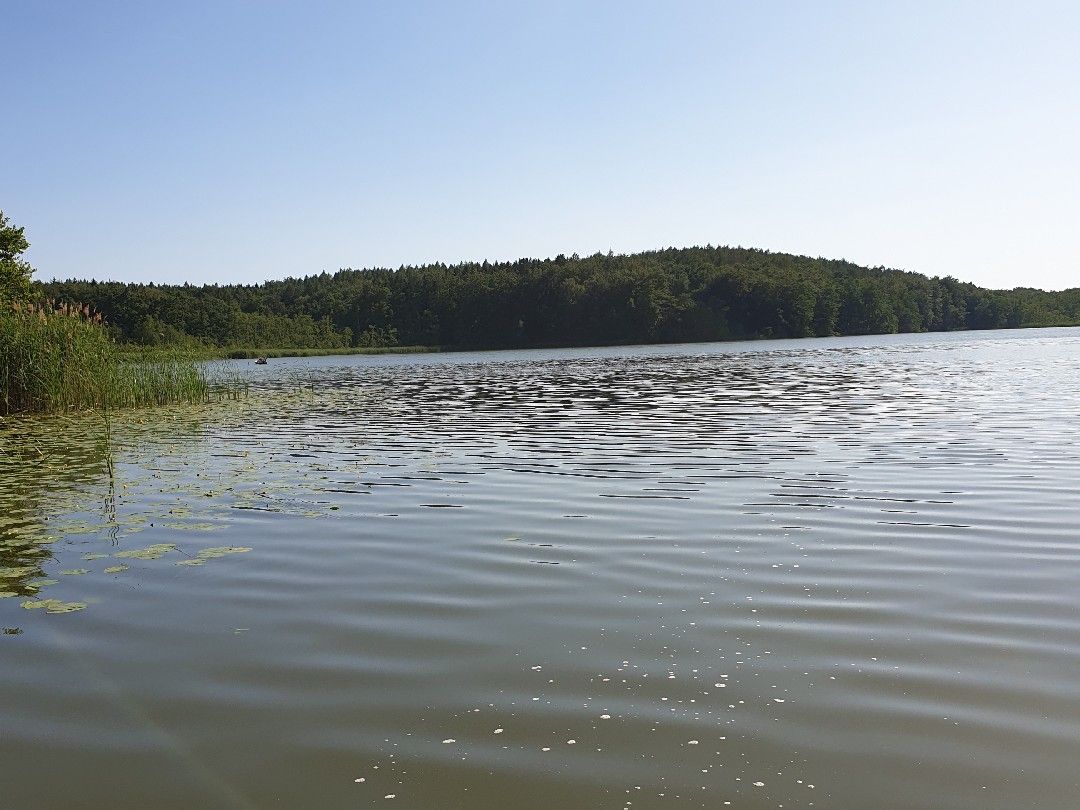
x=832, y=573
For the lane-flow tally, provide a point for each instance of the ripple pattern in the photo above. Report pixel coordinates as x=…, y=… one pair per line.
x=836, y=573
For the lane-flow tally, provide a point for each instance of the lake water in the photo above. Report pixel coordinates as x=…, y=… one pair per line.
x=837, y=573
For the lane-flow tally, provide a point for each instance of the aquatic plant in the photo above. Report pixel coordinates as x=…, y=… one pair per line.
x=61, y=358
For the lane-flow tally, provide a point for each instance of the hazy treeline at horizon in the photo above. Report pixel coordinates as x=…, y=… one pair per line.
x=672, y=295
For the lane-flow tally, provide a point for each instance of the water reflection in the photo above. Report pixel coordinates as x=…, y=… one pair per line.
x=81, y=481
x=44, y=463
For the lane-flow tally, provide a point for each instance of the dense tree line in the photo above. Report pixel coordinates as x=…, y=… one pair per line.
x=690, y=294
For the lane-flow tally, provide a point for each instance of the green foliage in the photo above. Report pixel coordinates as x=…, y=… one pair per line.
x=691, y=294
x=375, y=336
x=14, y=272
x=63, y=359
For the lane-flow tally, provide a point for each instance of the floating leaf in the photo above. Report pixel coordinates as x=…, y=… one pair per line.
x=151, y=552
x=53, y=605
x=75, y=572
x=192, y=527
x=221, y=551
x=17, y=573
x=79, y=528
x=116, y=569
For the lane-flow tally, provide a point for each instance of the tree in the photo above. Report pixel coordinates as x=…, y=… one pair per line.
x=14, y=272
x=667, y=295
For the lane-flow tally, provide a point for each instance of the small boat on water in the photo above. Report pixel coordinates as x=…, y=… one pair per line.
x=260, y=361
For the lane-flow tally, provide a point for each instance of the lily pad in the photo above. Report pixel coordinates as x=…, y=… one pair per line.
x=151, y=552
x=221, y=551
x=53, y=605
x=17, y=573
x=193, y=527
x=213, y=553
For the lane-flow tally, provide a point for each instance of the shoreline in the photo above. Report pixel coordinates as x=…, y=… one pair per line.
x=252, y=354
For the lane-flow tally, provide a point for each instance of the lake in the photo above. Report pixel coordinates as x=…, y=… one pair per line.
x=833, y=573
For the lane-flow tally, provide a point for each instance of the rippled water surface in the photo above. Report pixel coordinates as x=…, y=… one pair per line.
x=837, y=573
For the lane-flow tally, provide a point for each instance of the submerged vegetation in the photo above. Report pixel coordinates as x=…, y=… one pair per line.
x=691, y=294
x=62, y=357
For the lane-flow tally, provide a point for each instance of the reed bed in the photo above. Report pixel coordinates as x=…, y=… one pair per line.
x=61, y=358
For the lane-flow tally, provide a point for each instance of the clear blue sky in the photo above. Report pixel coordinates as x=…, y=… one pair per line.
x=239, y=141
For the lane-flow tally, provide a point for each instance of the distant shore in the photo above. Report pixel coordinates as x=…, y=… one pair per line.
x=251, y=354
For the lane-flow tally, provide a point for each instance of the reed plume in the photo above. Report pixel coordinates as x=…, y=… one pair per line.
x=61, y=358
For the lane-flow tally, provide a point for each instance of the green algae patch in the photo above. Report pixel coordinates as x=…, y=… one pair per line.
x=95, y=555
x=75, y=572
x=116, y=569
x=151, y=552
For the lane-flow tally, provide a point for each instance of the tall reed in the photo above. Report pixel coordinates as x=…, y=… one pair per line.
x=59, y=358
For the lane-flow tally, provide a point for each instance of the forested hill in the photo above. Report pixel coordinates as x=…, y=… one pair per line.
x=691, y=294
